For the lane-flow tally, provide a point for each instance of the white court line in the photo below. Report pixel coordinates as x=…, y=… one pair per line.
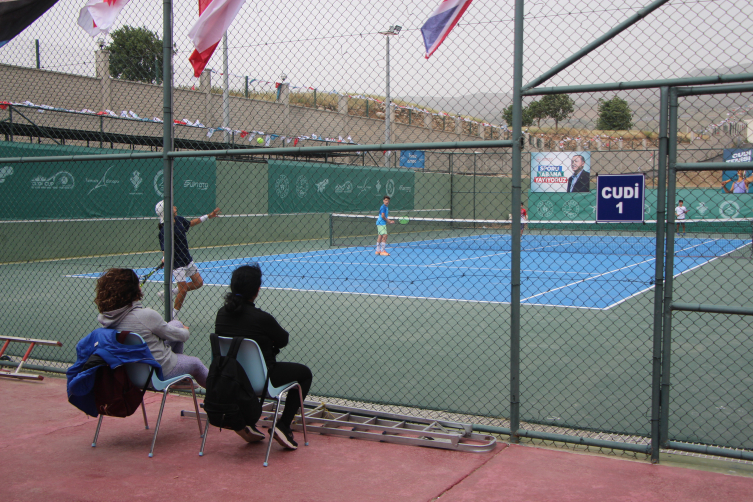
x=623, y=268
x=588, y=279
x=677, y=275
x=412, y=297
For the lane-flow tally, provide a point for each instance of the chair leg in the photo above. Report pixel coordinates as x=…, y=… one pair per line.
x=196, y=407
x=272, y=432
x=96, y=434
x=159, y=419
x=303, y=416
x=143, y=411
x=204, y=438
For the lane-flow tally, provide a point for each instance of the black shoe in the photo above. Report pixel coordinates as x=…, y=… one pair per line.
x=284, y=436
x=251, y=434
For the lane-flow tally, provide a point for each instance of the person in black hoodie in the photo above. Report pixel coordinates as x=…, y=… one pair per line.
x=240, y=317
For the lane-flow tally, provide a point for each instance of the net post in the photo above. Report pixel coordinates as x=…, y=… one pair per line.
x=331, y=234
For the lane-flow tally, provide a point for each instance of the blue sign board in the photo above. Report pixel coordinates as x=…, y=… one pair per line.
x=412, y=158
x=620, y=197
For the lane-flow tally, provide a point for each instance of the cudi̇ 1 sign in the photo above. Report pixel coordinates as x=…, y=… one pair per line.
x=620, y=197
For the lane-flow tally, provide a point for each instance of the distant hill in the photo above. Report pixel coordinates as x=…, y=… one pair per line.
x=699, y=111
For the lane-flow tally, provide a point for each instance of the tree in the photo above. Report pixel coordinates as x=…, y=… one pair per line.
x=537, y=111
x=557, y=106
x=527, y=117
x=135, y=54
x=614, y=115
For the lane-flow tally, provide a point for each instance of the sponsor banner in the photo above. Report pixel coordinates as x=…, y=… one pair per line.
x=412, y=158
x=704, y=203
x=556, y=172
x=734, y=181
x=98, y=189
x=303, y=187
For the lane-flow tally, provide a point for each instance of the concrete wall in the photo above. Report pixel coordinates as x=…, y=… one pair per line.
x=75, y=92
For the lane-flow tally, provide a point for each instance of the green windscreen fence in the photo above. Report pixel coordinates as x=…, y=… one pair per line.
x=703, y=203
x=97, y=189
x=303, y=187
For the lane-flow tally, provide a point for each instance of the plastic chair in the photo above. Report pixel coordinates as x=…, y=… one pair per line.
x=138, y=373
x=252, y=360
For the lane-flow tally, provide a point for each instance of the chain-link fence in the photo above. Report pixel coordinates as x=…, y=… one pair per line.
x=502, y=300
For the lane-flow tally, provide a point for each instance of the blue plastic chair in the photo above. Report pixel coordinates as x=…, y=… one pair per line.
x=138, y=373
x=251, y=359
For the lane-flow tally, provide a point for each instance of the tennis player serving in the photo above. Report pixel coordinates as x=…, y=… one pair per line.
x=183, y=265
x=382, y=221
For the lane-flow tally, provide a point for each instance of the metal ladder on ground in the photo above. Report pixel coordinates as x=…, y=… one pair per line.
x=359, y=423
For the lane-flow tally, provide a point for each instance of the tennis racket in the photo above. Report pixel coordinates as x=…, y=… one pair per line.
x=403, y=221
x=154, y=270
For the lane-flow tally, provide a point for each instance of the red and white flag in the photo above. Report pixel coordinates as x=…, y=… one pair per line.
x=441, y=22
x=215, y=17
x=98, y=16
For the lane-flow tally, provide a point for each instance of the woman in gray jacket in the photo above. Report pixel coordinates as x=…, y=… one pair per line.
x=118, y=296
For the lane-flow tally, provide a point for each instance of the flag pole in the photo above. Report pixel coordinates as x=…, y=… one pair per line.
x=225, y=90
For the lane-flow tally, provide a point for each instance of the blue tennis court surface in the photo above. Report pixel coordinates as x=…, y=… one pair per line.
x=430, y=270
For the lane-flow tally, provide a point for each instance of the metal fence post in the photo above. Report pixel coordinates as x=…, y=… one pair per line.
x=167, y=146
x=517, y=126
x=661, y=204
x=669, y=267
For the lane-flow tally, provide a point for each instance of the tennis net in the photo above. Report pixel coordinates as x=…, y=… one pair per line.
x=728, y=238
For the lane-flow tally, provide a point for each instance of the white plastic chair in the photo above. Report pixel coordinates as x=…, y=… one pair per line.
x=138, y=373
x=251, y=359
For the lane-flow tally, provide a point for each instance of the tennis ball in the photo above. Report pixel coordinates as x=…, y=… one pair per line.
x=260, y=141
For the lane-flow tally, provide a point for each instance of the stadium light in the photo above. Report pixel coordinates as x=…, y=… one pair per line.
x=391, y=31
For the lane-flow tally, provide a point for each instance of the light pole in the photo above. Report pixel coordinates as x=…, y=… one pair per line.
x=393, y=30
x=225, y=90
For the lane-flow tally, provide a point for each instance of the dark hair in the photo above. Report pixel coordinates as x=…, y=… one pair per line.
x=679, y=201
x=117, y=288
x=386, y=197
x=244, y=286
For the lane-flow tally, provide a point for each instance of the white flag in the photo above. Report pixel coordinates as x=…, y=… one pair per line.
x=214, y=20
x=98, y=16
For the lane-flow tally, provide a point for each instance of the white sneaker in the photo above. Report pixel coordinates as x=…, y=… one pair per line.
x=161, y=294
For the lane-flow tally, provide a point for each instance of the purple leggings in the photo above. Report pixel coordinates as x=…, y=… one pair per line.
x=188, y=364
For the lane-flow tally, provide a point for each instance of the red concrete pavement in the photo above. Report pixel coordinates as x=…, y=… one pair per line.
x=46, y=455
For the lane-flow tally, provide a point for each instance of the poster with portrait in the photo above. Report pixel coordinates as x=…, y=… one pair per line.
x=737, y=181
x=560, y=172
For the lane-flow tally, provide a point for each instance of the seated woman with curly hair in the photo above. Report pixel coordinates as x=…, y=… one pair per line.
x=118, y=296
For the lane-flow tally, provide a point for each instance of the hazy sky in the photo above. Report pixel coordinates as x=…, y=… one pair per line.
x=334, y=45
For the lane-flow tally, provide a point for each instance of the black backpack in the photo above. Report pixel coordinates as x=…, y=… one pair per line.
x=230, y=400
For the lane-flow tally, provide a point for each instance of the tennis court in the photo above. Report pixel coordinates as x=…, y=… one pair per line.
x=561, y=266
